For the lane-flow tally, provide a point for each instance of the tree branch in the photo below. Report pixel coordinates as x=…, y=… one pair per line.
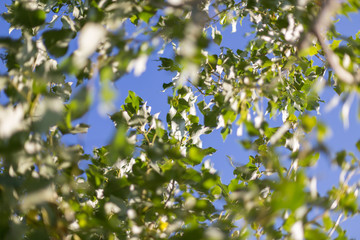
x=318, y=29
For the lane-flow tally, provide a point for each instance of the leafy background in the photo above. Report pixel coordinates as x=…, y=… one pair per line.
x=149, y=86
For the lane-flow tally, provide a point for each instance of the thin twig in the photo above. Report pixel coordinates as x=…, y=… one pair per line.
x=336, y=225
x=319, y=57
x=224, y=10
x=172, y=187
x=197, y=88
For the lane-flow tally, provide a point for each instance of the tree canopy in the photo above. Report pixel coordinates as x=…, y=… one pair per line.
x=151, y=180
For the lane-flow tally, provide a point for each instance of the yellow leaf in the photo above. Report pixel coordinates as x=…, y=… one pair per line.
x=163, y=225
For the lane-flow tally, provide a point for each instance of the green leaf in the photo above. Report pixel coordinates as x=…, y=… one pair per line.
x=289, y=195
x=328, y=223
x=292, y=118
x=57, y=41
x=289, y=222
x=308, y=122
x=49, y=113
x=309, y=160
x=106, y=73
x=133, y=103
x=193, y=118
x=340, y=158
x=209, y=150
x=358, y=145
x=168, y=65
x=315, y=234
x=147, y=13
x=21, y=16
x=210, y=119
x=335, y=44
x=134, y=19
x=322, y=131
x=218, y=38
x=349, y=203
x=313, y=50
x=145, y=16
x=252, y=131
x=246, y=172
x=9, y=43
x=195, y=155
x=79, y=104
x=216, y=190
x=209, y=183
x=225, y=132
x=120, y=146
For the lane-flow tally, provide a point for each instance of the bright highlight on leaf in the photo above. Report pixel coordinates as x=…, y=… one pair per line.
x=89, y=38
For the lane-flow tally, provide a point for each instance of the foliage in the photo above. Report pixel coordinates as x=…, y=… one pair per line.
x=151, y=180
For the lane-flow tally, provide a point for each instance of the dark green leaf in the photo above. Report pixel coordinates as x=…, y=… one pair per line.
x=57, y=41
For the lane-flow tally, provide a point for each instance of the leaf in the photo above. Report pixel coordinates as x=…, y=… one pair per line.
x=134, y=19
x=335, y=44
x=210, y=119
x=340, y=158
x=20, y=16
x=48, y=113
x=315, y=234
x=168, y=65
x=225, y=132
x=308, y=122
x=120, y=146
x=349, y=203
x=145, y=16
x=9, y=43
x=218, y=38
x=57, y=41
x=289, y=222
x=209, y=151
x=328, y=223
x=209, y=183
x=133, y=103
x=79, y=104
x=193, y=118
x=80, y=128
x=322, y=132
x=252, y=131
x=106, y=74
x=195, y=155
x=147, y=13
x=289, y=195
x=246, y=172
x=309, y=160
x=292, y=118
x=312, y=51
x=358, y=145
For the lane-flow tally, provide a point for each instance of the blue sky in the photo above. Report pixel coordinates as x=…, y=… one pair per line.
x=149, y=87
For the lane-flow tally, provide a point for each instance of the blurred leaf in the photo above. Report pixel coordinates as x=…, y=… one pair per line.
x=80, y=103
x=308, y=122
x=358, y=145
x=22, y=16
x=195, y=155
x=218, y=38
x=57, y=41
x=309, y=160
x=328, y=223
x=313, y=234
